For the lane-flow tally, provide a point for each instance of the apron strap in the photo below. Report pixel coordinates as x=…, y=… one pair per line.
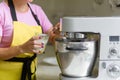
x=26, y=70
x=12, y=10
x=34, y=15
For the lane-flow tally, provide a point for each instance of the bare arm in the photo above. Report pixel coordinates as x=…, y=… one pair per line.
x=7, y=53
x=27, y=47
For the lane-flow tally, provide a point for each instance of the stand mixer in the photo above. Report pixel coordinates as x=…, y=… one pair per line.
x=89, y=48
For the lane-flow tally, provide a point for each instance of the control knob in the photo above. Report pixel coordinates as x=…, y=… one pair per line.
x=113, y=52
x=113, y=70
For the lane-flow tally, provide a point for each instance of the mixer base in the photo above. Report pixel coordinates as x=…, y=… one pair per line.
x=69, y=78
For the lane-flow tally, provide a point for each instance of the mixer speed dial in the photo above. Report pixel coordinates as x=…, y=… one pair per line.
x=113, y=51
x=113, y=70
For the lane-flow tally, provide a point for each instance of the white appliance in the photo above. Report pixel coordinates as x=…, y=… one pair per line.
x=109, y=54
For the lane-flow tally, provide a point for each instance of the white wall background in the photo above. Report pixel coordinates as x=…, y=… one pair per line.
x=59, y=8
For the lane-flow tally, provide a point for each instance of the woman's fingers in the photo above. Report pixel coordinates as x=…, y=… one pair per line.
x=37, y=48
x=56, y=27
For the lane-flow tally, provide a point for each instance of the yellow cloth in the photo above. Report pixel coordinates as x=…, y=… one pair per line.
x=22, y=33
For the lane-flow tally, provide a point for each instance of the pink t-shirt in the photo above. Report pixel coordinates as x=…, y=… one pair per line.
x=6, y=27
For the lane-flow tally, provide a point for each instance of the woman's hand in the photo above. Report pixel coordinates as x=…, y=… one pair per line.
x=55, y=33
x=57, y=29
x=31, y=46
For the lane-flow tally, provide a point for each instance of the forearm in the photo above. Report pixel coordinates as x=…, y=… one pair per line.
x=7, y=53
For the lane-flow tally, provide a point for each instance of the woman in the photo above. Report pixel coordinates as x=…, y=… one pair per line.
x=20, y=20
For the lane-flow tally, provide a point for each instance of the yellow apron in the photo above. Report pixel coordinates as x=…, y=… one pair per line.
x=15, y=69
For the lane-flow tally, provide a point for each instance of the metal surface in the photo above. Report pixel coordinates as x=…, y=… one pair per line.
x=76, y=59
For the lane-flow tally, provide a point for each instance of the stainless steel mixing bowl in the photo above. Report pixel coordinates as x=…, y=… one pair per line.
x=75, y=58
